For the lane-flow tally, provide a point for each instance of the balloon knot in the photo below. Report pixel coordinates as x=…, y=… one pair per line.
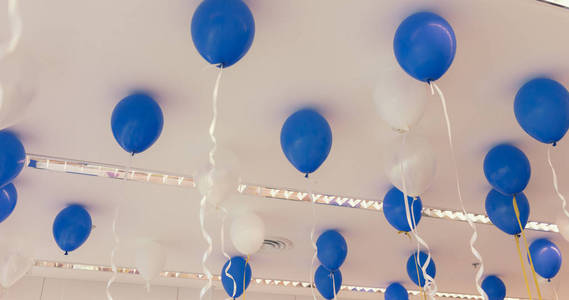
x=549, y=280
x=66, y=253
x=306, y=175
x=132, y=154
x=554, y=144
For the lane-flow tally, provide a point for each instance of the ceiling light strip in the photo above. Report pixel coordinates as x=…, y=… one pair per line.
x=120, y=172
x=257, y=281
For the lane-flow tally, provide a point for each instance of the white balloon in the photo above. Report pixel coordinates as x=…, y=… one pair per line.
x=563, y=224
x=150, y=259
x=18, y=85
x=399, y=99
x=223, y=184
x=416, y=158
x=13, y=266
x=248, y=233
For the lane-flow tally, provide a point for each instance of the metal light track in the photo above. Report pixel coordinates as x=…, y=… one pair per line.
x=72, y=166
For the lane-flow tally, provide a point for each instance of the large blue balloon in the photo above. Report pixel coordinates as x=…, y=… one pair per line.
x=332, y=249
x=542, y=109
x=223, y=31
x=241, y=272
x=414, y=265
x=500, y=210
x=8, y=199
x=306, y=139
x=72, y=227
x=395, y=213
x=137, y=122
x=507, y=169
x=546, y=258
x=12, y=157
x=494, y=288
x=425, y=46
x=396, y=291
x=326, y=281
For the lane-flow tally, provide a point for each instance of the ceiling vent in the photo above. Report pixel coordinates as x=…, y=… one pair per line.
x=273, y=244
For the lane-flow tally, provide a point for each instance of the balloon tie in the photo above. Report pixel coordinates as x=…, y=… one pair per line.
x=312, y=233
x=66, y=253
x=430, y=283
x=474, y=236
x=115, y=234
x=203, y=202
x=554, y=144
x=225, y=214
x=555, y=183
x=15, y=29
x=517, y=238
x=517, y=211
x=244, y=276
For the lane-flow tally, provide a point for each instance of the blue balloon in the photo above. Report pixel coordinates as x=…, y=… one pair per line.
x=12, y=157
x=241, y=272
x=414, y=265
x=137, y=122
x=332, y=249
x=507, y=169
x=425, y=46
x=306, y=139
x=8, y=199
x=395, y=213
x=494, y=288
x=396, y=291
x=542, y=109
x=223, y=31
x=500, y=210
x=72, y=227
x=546, y=258
x=326, y=281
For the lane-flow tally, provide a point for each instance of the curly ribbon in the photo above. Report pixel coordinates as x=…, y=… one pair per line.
x=430, y=284
x=517, y=211
x=244, y=275
x=15, y=28
x=203, y=202
x=555, y=184
x=115, y=234
x=333, y=285
x=474, y=237
x=223, y=219
x=312, y=233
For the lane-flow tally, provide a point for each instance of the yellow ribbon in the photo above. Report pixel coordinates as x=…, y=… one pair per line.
x=517, y=237
x=245, y=275
x=419, y=276
x=527, y=249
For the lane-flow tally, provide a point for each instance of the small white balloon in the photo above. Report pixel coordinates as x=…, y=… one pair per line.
x=415, y=158
x=399, y=99
x=563, y=225
x=150, y=259
x=13, y=266
x=222, y=185
x=248, y=233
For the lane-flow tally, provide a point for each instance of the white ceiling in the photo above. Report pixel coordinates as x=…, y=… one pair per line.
x=87, y=55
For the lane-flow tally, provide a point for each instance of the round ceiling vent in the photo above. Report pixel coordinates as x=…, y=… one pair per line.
x=276, y=244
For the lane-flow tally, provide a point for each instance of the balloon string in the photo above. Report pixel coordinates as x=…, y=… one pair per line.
x=419, y=278
x=312, y=233
x=474, y=236
x=333, y=285
x=15, y=28
x=203, y=202
x=115, y=234
x=527, y=247
x=430, y=284
x=223, y=219
x=244, y=276
x=555, y=184
x=517, y=237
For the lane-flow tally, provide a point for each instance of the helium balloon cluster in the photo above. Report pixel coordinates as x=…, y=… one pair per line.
x=332, y=250
x=12, y=160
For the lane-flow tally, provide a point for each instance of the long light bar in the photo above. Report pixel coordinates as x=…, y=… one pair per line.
x=257, y=281
x=71, y=166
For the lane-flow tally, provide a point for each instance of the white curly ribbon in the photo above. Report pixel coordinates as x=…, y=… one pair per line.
x=474, y=237
x=226, y=271
x=203, y=202
x=312, y=241
x=333, y=285
x=15, y=28
x=430, y=286
x=555, y=183
x=116, y=237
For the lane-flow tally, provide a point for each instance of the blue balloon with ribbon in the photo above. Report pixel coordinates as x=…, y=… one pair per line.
x=500, y=210
x=541, y=107
x=331, y=249
x=395, y=212
x=137, y=122
x=414, y=266
x=223, y=31
x=72, y=227
x=327, y=282
x=507, y=169
x=8, y=200
x=241, y=272
x=546, y=258
x=425, y=46
x=12, y=157
x=306, y=140
x=494, y=288
x=396, y=291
